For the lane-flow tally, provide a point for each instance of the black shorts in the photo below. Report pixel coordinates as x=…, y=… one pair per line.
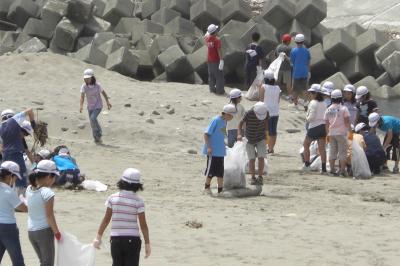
x=215, y=167
x=317, y=132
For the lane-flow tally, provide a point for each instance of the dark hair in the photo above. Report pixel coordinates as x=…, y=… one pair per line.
x=235, y=101
x=93, y=81
x=255, y=36
x=367, y=96
x=353, y=98
x=337, y=100
x=4, y=173
x=269, y=81
x=123, y=185
x=56, y=150
x=319, y=97
x=33, y=177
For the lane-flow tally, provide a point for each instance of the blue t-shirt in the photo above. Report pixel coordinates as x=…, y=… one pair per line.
x=64, y=163
x=8, y=202
x=10, y=133
x=216, y=132
x=390, y=123
x=300, y=58
x=37, y=219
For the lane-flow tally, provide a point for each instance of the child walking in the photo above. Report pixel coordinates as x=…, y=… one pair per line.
x=9, y=201
x=93, y=91
x=337, y=119
x=270, y=95
x=126, y=212
x=42, y=225
x=236, y=97
x=214, y=146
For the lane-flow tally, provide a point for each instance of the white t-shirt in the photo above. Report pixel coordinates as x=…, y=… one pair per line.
x=315, y=113
x=271, y=98
x=125, y=206
x=234, y=123
x=8, y=202
x=37, y=219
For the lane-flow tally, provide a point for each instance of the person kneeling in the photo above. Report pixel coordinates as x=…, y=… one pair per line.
x=70, y=174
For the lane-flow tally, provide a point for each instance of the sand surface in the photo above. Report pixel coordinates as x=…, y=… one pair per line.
x=298, y=220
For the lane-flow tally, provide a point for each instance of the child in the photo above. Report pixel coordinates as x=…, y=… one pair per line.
x=349, y=100
x=214, y=146
x=42, y=225
x=365, y=104
x=125, y=210
x=231, y=126
x=270, y=95
x=254, y=59
x=92, y=90
x=337, y=119
x=327, y=88
x=300, y=58
x=285, y=71
x=69, y=170
x=256, y=121
x=9, y=201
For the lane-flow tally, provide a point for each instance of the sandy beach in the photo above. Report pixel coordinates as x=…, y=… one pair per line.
x=298, y=220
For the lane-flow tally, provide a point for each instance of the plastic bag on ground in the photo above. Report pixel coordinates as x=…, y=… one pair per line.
x=359, y=162
x=234, y=169
x=253, y=93
x=94, y=185
x=71, y=252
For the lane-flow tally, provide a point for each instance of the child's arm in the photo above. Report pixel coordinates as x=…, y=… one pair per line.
x=82, y=101
x=261, y=93
x=207, y=142
x=145, y=232
x=107, y=99
x=102, y=228
x=51, y=219
x=240, y=129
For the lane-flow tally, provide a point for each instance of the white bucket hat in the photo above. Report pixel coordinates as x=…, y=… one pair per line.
x=131, y=175
x=349, y=88
x=88, y=73
x=7, y=113
x=212, y=28
x=11, y=167
x=235, y=93
x=47, y=166
x=336, y=94
x=361, y=91
x=299, y=38
x=44, y=153
x=373, y=119
x=315, y=88
x=229, y=109
x=261, y=110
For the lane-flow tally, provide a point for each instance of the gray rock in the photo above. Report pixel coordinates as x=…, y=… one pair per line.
x=192, y=151
x=64, y=129
x=150, y=121
x=81, y=126
x=141, y=113
x=127, y=105
x=171, y=111
x=155, y=112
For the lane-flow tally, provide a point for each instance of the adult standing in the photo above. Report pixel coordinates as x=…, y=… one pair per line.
x=93, y=91
x=285, y=72
x=254, y=56
x=300, y=58
x=215, y=62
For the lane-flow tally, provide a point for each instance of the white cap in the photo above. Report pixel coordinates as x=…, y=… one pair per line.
x=359, y=127
x=131, y=175
x=88, y=73
x=261, y=110
x=299, y=38
x=11, y=167
x=7, y=113
x=44, y=153
x=336, y=94
x=229, y=109
x=349, y=88
x=328, y=85
x=26, y=125
x=268, y=74
x=235, y=93
x=315, y=88
x=212, y=28
x=46, y=166
x=373, y=119
x=63, y=152
x=326, y=91
x=361, y=91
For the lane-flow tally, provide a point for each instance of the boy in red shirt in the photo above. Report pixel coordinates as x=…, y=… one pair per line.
x=214, y=61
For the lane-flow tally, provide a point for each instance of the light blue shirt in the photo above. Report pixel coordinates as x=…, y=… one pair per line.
x=216, y=132
x=390, y=123
x=64, y=163
x=37, y=219
x=300, y=58
x=8, y=202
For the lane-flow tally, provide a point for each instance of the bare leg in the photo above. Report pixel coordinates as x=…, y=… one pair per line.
x=271, y=143
x=208, y=181
x=220, y=182
x=260, y=166
x=342, y=164
x=306, y=152
x=332, y=165
x=252, y=167
x=322, y=150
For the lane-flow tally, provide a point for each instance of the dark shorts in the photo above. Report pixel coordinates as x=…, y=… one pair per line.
x=300, y=85
x=72, y=176
x=273, y=125
x=125, y=250
x=394, y=148
x=215, y=167
x=317, y=132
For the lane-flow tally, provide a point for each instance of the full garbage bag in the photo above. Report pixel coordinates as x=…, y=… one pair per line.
x=71, y=252
x=253, y=93
x=234, y=166
x=94, y=185
x=359, y=162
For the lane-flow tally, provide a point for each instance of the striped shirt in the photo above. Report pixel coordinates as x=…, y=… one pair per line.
x=255, y=129
x=126, y=206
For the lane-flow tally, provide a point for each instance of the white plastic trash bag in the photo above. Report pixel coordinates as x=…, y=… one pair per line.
x=276, y=65
x=94, y=185
x=359, y=162
x=253, y=93
x=71, y=252
x=235, y=162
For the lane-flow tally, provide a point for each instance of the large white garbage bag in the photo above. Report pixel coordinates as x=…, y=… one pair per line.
x=359, y=162
x=71, y=252
x=94, y=185
x=276, y=65
x=253, y=93
x=235, y=163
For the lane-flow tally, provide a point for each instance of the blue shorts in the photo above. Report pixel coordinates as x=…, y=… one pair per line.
x=273, y=126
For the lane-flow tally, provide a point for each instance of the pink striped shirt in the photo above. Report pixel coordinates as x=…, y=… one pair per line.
x=125, y=205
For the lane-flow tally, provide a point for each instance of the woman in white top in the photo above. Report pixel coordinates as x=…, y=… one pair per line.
x=270, y=95
x=236, y=97
x=315, y=127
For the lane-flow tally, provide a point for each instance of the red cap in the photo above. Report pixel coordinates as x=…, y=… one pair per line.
x=286, y=38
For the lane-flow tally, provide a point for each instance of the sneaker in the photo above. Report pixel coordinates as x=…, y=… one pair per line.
x=395, y=170
x=260, y=180
x=306, y=168
x=253, y=181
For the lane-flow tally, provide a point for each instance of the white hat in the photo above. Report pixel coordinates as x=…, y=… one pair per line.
x=7, y=113
x=328, y=85
x=336, y=94
x=359, y=127
x=315, y=88
x=63, y=152
x=361, y=91
x=11, y=167
x=373, y=119
x=261, y=110
x=235, y=93
x=88, y=73
x=44, y=153
x=229, y=109
x=212, y=28
x=349, y=88
x=46, y=166
x=131, y=175
x=268, y=74
x=326, y=91
x=299, y=38
x=27, y=127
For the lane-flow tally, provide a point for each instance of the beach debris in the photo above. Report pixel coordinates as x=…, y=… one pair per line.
x=38, y=102
x=194, y=224
x=171, y=111
x=22, y=73
x=141, y=113
x=64, y=129
x=81, y=126
x=128, y=105
x=192, y=151
x=150, y=121
x=155, y=112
